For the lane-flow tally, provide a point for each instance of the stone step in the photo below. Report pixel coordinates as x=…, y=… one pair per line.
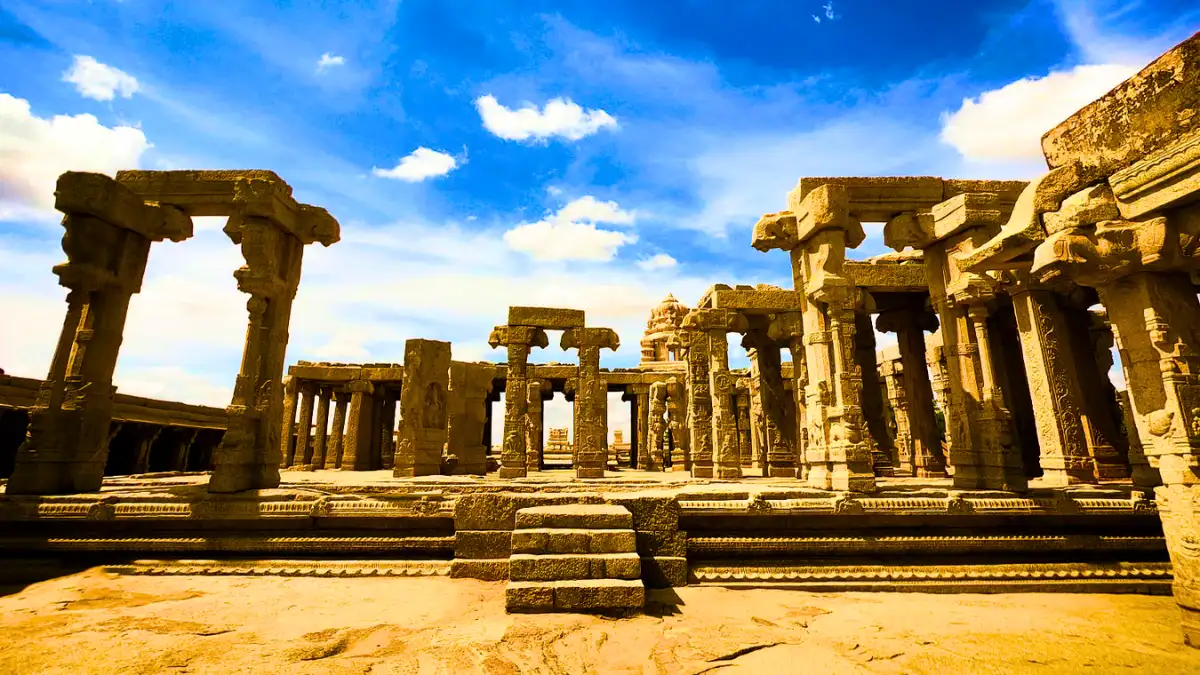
x=556, y=567
x=576, y=516
x=588, y=595
x=571, y=540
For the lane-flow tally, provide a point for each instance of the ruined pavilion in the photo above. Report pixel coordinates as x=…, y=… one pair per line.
x=986, y=450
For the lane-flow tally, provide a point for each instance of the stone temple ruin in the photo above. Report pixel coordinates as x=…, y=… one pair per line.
x=986, y=450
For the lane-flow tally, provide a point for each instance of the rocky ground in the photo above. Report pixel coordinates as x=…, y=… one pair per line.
x=97, y=622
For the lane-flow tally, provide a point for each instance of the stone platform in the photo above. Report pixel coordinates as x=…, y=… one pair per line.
x=911, y=534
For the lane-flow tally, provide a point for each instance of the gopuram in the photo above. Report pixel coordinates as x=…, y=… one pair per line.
x=986, y=450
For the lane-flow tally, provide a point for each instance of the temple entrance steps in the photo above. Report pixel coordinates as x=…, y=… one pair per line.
x=575, y=558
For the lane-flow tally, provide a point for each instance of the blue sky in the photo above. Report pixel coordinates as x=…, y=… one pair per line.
x=592, y=155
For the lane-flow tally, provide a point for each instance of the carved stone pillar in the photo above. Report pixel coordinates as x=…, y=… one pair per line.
x=1000, y=462
x=1107, y=445
x=423, y=411
x=911, y=392
x=287, y=440
x=745, y=447
x=699, y=399
x=387, y=444
x=1051, y=366
x=533, y=426
x=144, y=444
x=718, y=323
x=639, y=431
x=677, y=421
x=356, y=443
x=321, y=433
x=304, y=426
x=766, y=366
x=1141, y=473
x=591, y=393
x=183, y=445
x=108, y=235
x=788, y=329
x=470, y=386
x=872, y=394
x=893, y=376
x=518, y=340
x=334, y=453
x=656, y=426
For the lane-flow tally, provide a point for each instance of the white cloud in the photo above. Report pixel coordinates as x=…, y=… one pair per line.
x=34, y=151
x=421, y=164
x=328, y=60
x=658, y=262
x=571, y=232
x=559, y=118
x=98, y=81
x=1007, y=124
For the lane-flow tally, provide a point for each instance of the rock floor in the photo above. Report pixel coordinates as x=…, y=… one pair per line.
x=97, y=622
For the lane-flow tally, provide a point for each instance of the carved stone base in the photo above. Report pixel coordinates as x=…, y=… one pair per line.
x=1179, y=508
x=512, y=472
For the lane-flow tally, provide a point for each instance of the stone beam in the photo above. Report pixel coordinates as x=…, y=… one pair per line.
x=547, y=318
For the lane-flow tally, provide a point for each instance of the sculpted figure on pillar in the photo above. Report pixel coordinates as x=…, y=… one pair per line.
x=109, y=230
x=591, y=392
x=699, y=401
x=470, y=384
x=677, y=414
x=742, y=396
x=533, y=425
x=656, y=429
x=717, y=324
x=518, y=340
x=423, y=408
x=816, y=232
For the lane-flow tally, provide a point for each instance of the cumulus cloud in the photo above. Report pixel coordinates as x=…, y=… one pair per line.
x=560, y=118
x=660, y=261
x=1007, y=124
x=328, y=61
x=421, y=164
x=571, y=232
x=34, y=151
x=98, y=81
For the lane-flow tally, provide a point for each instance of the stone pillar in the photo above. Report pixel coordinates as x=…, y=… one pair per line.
x=304, y=427
x=470, y=387
x=677, y=420
x=591, y=392
x=745, y=447
x=604, y=420
x=334, y=453
x=387, y=444
x=356, y=443
x=656, y=426
x=423, y=409
x=892, y=372
x=518, y=340
x=487, y=423
x=145, y=443
x=321, y=433
x=1141, y=473
x=183, y=445
x=631, y=398
x=1107, y=445
x=533, y=426
x=1001, y=463
x=911, y=392
x=877, y=436
x=108, y=235
x=717, y=323
x=787, y=330
x=778, y=432
x=757, y=422
x=1051, y=366
x=287, y=441
x=699, y=399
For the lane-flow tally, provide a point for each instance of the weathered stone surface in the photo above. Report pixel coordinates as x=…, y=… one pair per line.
x=498, y=511
x=563, y=567
x=1086, y=207
x=575, y=516
x=483, y=570
x=596, y=595
x=665, y=571
x=424, y=412
x=546, y=317
x=483, y=544
x=565, y=540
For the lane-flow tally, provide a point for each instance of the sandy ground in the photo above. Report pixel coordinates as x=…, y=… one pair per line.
x=96, y=622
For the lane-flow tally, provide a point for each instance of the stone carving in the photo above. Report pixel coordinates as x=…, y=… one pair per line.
x=423, y=415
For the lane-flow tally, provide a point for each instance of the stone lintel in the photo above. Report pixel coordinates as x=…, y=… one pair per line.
x=877, y=199
x=548, y=318
x=822, y=208
x=966, y=211
x=904, y=278
x=1138, y=117
x=716, y=319
x=97, y=195
x=238, y=194
x=758, y=302
x=1160, y=180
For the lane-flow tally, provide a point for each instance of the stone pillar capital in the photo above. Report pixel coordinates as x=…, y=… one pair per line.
x=580, y=338
x=716, y=321
x=529, y=336
x=786, y=327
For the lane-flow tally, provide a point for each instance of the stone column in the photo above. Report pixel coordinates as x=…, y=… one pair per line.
x=108, y=235
x=518, y=340
x=145, y=443
x=911, y=392
x=1141, y=472
x=778, y=432
x=656, y=426
x=387, y=445
x=757, y=422
x=1051, y=366
x=604, y=420
x=642, y=391
x=892, y=372
x=677, y=421
x=872, y=395
x=533, y=426
x=487, y=424
x=304, y=427
x=745, y=447
x=787, y=329
x=333, y=453
x=423, y=411
x=287, y=441
x=590, y=394
x=699, y=399
x=717, y=323
x=470, y=386
x=356, y=443
x=1001, y=463
x=631, y=399
x=321, y=433
x=1107, y=445
x=183, y=444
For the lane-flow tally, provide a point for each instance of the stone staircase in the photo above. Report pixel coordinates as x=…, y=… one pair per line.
x=575, y=558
